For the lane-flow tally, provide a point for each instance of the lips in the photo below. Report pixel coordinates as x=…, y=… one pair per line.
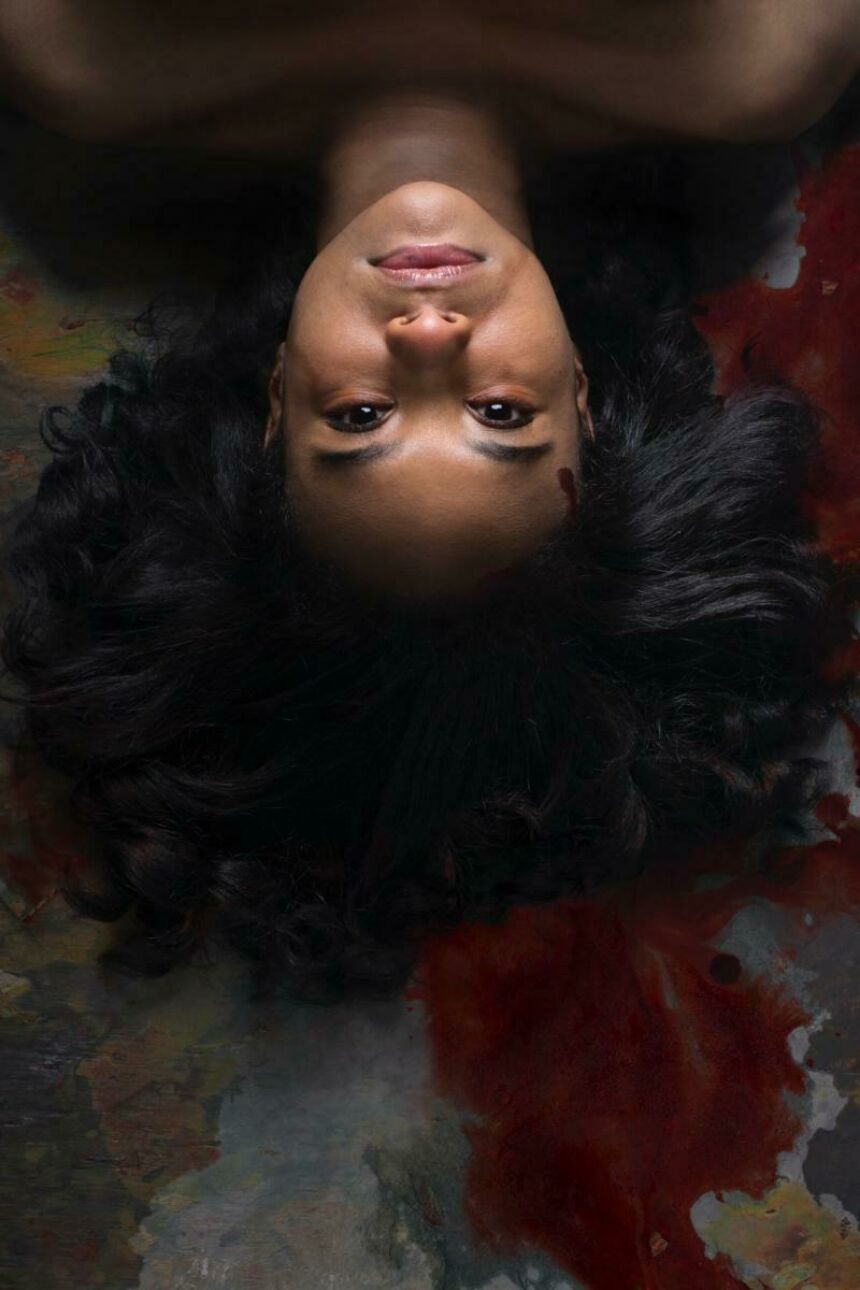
x=434, y=256
x=429, y=266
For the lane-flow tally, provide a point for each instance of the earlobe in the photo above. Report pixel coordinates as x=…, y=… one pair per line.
x=274, y=421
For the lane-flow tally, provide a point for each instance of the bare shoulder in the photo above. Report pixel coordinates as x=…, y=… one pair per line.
x=110, y=69
x=253, y=77
x=783, y=63
x=51, y=59
x=598, y=70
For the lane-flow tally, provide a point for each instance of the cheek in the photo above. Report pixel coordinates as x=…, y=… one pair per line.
x=316, y=316
x=547, y=322
x=330, y=351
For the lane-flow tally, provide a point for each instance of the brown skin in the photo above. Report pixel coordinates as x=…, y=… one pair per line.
x=266, y=77
x=412, y=155
x=446, y=373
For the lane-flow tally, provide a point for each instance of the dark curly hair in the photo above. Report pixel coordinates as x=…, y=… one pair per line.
x=270, y=762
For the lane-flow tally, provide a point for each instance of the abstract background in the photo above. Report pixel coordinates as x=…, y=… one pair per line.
x=655, y=1089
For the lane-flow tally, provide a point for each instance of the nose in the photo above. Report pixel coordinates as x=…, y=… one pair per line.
x=428, y=335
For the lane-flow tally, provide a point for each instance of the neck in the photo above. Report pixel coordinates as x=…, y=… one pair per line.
x=407, y=137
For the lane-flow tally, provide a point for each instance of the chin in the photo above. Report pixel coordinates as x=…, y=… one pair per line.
x=431, y=205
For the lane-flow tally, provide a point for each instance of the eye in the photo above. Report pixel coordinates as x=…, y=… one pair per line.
x=502, y=414
x=356, y=418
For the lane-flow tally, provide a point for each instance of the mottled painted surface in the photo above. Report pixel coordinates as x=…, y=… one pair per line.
x=657, y=1090
x=667, y=1075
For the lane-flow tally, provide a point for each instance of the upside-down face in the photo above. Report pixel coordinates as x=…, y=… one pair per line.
x=429, y=395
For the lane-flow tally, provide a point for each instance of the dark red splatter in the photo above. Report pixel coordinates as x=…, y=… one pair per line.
x=832, y=811
x=844, y=662
x=18, y=286
x=616, y=1076
x=567, y=485
x=55, y=846
x=807, y=334
x=854, y=732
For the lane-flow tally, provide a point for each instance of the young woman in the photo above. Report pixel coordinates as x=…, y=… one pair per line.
x=426, y=575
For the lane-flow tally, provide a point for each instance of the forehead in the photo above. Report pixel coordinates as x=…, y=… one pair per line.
x=415, y=525
x=436, y=487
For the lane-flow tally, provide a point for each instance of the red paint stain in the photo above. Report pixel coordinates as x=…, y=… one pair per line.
x=832, y=811
x=567, y=484
x=845, y=661
x=18, y=286
x=806, y=334
x=15, y=468
x=854, y=733
x=54, y=848
x=619, y=1066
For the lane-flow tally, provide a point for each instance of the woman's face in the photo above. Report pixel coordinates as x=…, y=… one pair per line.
x=431, y=423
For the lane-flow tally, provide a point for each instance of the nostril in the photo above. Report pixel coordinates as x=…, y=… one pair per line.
x=446, y=315
x=428, y=331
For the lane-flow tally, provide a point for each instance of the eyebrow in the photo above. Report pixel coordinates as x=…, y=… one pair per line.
x=373, y=451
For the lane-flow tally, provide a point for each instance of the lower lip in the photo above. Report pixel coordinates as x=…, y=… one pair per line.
x=427, y=265
x=438, y=255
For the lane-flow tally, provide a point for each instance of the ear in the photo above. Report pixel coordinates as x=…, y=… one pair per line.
x=581, y=388
x=275, y=419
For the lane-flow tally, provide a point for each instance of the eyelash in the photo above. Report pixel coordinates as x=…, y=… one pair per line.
x=333, y=414
x=525, y=415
